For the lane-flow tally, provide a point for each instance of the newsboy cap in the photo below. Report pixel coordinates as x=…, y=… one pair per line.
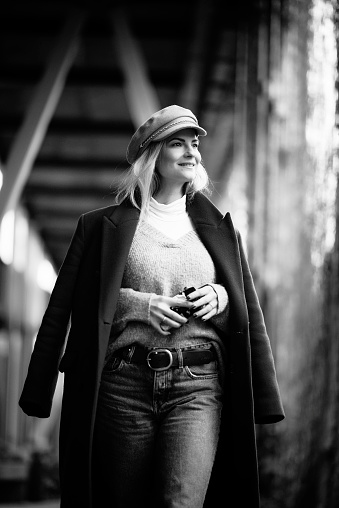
x=159, y=126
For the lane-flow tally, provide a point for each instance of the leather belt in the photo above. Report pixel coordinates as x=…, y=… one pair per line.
x=160, y=359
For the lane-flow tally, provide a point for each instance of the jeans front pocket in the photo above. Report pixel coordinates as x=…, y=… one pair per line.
x=205, y=371
x=112, y=365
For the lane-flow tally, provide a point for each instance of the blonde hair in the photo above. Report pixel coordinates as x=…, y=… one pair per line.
x=142, y=181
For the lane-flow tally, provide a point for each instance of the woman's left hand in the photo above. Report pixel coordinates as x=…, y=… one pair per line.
x=205, y=301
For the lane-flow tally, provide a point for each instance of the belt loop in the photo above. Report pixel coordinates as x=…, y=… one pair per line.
x=180, y=359
x=130, y=354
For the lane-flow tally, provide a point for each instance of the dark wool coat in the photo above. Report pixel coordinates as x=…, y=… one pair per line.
x=87, y=290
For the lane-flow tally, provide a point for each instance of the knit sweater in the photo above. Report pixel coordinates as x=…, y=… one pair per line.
x=160, y=265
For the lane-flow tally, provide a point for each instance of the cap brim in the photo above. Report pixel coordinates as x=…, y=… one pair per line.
x=182, y=126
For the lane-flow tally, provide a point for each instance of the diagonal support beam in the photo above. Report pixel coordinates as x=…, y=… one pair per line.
x=32, y=132
x=141, y=96
x=199, y=53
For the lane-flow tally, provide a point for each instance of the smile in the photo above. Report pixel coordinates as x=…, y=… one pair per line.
x=187, y=165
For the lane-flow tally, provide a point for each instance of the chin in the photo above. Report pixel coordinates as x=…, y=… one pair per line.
x=190, y=175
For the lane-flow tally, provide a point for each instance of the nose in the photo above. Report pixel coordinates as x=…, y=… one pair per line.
x=189, y=151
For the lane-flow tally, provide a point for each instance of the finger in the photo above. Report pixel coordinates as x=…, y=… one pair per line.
x=205, y=310
x=161, y=306
x=178, y=301
x=208, y=296
x=208, y=300
x=175, y=320
x=175, y=316
x=200, y=293
x=166, y=323
x=161, y=326
x=205, y=300
x=208, y=316
x=163, y=332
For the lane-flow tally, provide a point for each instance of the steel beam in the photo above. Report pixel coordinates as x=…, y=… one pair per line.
x=140, y=94
x=189, y=95
x=32, y=132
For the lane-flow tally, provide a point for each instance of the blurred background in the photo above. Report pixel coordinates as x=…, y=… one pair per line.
x=76, y=79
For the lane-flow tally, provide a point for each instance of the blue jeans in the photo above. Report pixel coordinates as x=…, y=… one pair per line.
x=156, y=435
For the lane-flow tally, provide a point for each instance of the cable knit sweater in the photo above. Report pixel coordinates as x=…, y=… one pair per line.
x=158, y=264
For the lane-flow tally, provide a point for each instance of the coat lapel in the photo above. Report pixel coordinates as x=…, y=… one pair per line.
x=117, y=235
x=219, y=237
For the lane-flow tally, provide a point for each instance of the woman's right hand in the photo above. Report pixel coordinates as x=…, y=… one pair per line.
x=162, y=317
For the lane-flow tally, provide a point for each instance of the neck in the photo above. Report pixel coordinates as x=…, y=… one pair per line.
x=167, y=196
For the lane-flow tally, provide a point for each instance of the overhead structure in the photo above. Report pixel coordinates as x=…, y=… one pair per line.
x=29, y=139
x=141, y=96
x=63, y=138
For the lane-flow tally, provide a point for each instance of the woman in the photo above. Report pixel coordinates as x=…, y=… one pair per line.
x=162, y=389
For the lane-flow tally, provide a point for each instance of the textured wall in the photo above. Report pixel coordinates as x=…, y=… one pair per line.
x=293, y=244
x=281, y=188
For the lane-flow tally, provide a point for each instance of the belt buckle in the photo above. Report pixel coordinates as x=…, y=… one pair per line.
x=155, y=352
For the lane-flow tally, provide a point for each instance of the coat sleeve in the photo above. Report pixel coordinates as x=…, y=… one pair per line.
x=38, y=391
x=267, y=401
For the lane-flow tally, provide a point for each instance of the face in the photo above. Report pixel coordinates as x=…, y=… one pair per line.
x=179, y=158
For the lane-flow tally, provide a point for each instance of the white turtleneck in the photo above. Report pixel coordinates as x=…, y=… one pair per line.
x=172, y=219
